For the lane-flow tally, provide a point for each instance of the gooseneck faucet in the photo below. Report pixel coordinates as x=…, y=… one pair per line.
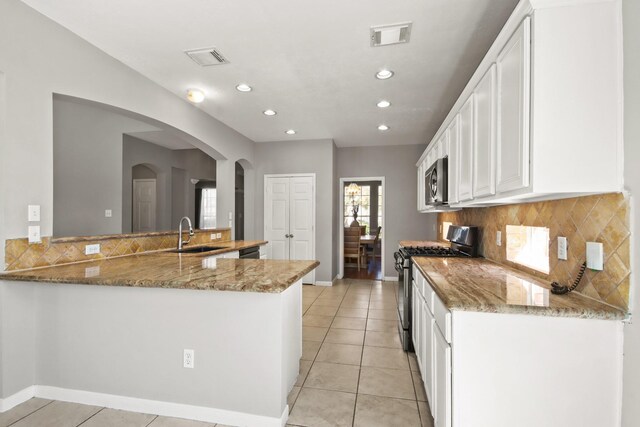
x=191, y=233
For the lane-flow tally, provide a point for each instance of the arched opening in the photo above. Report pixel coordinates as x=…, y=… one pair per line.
x=144, y=199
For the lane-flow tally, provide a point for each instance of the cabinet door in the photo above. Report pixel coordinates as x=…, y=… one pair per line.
x=414, y=311
x=513, y=70
x=454, y=158
x=442, y=377
x=484, y=179
x=465, y=154
x=427, y=354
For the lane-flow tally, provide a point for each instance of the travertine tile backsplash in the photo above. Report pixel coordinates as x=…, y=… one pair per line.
x=19, y=254
x=600, y=218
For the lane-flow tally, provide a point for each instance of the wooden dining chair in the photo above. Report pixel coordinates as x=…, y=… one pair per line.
x=352, y=247
x=371, y=250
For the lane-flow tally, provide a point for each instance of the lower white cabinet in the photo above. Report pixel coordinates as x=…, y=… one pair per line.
x=505, y=370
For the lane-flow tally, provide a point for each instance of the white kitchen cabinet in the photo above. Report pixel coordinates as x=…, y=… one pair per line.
x=442, y=379
x=427, y=354
x=484, y=183
x=465, y=152
x=232, y=255
x=453, y=149
x=415, y=327
x=513, y=74
x=535, y=119
x=263, y=252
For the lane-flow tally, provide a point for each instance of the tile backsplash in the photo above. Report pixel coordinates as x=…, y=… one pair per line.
x=19, y=254
x=600, y=218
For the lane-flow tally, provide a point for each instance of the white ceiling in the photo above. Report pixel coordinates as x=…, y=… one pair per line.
x=311, y=61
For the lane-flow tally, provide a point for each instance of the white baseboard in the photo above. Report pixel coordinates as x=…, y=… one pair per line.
x=390, y=278
x=155, y=407
x=323, y=283
x=17, y=398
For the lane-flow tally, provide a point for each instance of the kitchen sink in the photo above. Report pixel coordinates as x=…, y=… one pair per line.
x=198, y=249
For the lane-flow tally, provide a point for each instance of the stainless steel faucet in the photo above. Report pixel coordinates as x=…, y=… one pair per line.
x=191, y=233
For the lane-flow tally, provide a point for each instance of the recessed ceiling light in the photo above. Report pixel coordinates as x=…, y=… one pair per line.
x=384, y=74
x=383, y=127
x=290, y=132
x=195, y=95
x=383, y=104
x=269, y=113
x=242, y=87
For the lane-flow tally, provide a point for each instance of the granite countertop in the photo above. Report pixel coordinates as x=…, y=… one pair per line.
x=406, y=243
x=477, y=284
x=164, y=269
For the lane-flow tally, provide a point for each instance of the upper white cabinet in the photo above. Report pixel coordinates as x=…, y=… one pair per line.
x=542, y=112
x=484, y=183
x=513, y=73
x=465, y=153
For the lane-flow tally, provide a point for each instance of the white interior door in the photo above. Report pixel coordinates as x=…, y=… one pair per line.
x=144, y=205
x=301, y=221
x=276, y=216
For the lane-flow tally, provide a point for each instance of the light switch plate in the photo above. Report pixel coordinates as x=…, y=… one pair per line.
x=34, y=234
x=34, y=213
x=499, y=238
x=218, y=235
x=230, y=215
x=562, y=248
x=108, y=213
x=213, y=236
x=92, y=249
x=595, y=256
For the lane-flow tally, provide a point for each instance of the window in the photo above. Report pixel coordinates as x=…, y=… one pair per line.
x=208, y=209
x=363, y=202
x=528, y=246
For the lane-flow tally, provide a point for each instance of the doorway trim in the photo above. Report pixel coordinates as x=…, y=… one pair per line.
x=313, y=215
x=341, y=216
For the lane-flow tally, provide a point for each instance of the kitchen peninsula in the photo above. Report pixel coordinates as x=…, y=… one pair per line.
x=113, y=332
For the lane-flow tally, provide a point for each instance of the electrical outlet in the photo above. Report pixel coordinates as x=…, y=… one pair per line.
x=34, y=234
x=34, y=213
x=213, y=236
x=188, y=358
x=230, y=215
x=108, y=213
x=92, y=249
x=499, y=238
x=218, y=235
x=562, y=248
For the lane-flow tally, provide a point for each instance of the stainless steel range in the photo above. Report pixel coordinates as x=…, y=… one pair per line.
x=464, y=243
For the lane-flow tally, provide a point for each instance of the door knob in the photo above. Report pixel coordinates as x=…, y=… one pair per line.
x=291, y=236
x=286, y=235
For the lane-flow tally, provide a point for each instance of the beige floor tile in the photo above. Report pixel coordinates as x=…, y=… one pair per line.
x=321, y=321
x=328, y=302
x=349, y=323
x=340, y=353
x=413, y=362
x=333, y=376
x=344, y=336
x=383, y=314
x=382, y=305
x=386, y=382
x=293, y=395
x=310, y=349
x=313, y=333
x=382, y=325
x=421, y=395
x=22, y=410
x=352, y=312
x=114, y=417
x=178, y=422
x=58, y=414
x=305, y=365
x=355, y=303
x=322, y=310
x=425, y=414
x=323, y=408
x=383, y=339
x=384, y=358
x=376, y=411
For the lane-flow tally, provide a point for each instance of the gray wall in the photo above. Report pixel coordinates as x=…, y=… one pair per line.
x=398, y=165
x=631, y=380
x=87, y=165
x=314, y=156
x=76, y=68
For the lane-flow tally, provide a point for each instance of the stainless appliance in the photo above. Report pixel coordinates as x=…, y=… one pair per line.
x=464, y=243
x=250, y=253
x=435, y=183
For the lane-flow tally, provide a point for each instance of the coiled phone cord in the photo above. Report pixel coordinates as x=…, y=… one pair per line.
x=559, y=289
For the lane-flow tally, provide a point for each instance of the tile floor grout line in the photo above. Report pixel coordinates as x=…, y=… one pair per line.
x=32, y=412
x=93, y=415
x=155, y=418
x=355, y=405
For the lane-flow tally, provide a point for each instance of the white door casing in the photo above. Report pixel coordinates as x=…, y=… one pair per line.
x=144, y=205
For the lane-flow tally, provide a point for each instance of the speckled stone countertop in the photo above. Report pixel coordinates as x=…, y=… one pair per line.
x=405, y=243
x=477, y=284
x=164, y=269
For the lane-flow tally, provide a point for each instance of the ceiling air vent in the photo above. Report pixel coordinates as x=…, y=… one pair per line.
x=384, y=35
x=207, y=57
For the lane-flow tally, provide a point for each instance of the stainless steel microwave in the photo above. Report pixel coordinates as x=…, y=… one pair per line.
x=435, y=183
